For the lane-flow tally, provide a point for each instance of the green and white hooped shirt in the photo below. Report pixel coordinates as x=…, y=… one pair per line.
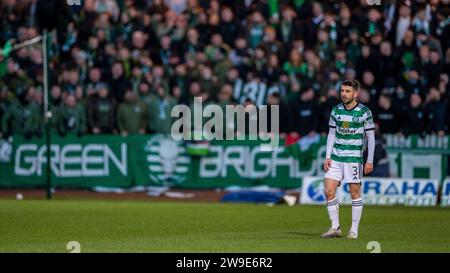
x=351, y=125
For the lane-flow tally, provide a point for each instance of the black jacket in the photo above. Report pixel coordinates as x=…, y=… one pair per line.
x=387, y=119
x=325, y=112
x=436, y=112
x=118, y=88
x=229, y=32
x=417, y=121
x=305, y=116
x=285, y=118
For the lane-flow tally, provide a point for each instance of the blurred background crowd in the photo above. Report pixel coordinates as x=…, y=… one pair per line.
x=119, y=66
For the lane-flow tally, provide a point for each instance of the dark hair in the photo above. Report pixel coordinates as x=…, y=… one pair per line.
x=353, y=83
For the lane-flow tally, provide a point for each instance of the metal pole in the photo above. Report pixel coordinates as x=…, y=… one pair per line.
x=47, y=116
x=27, y=43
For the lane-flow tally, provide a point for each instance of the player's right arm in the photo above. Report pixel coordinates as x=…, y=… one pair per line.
x=369, y=129
x=330, y=141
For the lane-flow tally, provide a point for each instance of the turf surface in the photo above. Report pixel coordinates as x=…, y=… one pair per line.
x=136, y=226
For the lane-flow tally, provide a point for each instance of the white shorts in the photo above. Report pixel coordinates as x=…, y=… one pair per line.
x=345, y=172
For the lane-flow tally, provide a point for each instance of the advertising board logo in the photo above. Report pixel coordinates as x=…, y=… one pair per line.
x=316, y=191
x=5, y=151
x=168, y=162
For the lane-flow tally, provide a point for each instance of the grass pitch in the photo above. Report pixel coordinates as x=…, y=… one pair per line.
x=137, y=226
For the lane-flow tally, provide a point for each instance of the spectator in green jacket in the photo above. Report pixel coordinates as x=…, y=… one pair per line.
x=101, y=112
x=71, y=117
x=160, y=110
x=132, y=115
x=22, y=116
x=145, y=95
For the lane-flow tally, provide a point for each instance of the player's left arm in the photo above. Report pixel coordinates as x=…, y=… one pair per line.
x=369, y=129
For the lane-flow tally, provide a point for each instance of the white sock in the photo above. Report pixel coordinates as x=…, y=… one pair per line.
x=333, y=212
x=357, y=207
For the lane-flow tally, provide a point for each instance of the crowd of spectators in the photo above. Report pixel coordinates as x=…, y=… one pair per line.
x=118, y=67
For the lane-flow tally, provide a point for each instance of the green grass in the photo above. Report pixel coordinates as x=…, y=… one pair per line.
x=132, y=226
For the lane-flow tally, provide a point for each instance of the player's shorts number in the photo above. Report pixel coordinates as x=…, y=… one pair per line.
x=356, y=171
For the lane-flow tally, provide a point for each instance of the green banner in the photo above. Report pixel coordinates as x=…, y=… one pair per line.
x=75, y=162
x=115, y=161
x=157, y=160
